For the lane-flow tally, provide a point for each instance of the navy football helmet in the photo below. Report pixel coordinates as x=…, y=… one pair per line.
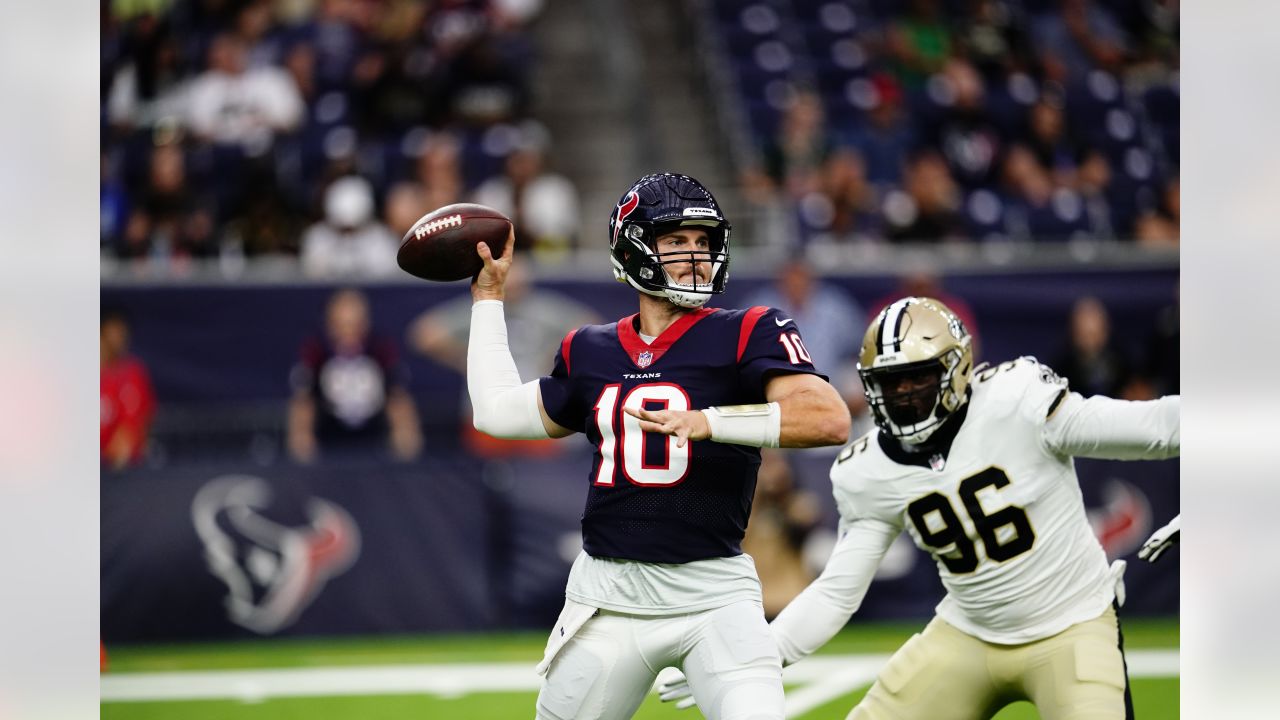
x=657, y=205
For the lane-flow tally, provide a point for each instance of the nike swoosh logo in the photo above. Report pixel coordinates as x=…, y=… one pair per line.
x=782, y=322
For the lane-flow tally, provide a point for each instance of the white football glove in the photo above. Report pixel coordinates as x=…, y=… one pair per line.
x=673, y=687
x=1161, y=540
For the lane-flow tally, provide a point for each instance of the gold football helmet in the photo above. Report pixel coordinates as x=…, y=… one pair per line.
x=915, y=365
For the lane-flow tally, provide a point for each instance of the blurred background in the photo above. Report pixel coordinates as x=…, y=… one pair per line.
x=286, y=444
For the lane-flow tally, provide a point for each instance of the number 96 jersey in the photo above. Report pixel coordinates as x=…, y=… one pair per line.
x=650, y=500
x=1001, y=514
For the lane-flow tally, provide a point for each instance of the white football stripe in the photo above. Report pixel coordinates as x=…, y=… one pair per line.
x=821, y=679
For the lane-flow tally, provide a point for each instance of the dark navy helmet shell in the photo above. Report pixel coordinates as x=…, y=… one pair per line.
x=656, y=205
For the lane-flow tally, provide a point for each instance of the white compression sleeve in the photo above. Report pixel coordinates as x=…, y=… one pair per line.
x=1103, y=427
x=502, y=406
x=818, y=613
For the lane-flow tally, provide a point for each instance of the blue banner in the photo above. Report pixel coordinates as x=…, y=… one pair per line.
x=454, y=543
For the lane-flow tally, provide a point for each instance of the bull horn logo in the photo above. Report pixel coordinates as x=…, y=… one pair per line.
x=272, y=571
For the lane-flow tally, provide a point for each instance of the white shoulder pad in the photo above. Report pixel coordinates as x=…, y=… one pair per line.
x=1023, y=387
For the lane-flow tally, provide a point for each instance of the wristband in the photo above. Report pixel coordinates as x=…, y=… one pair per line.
x=755, y=425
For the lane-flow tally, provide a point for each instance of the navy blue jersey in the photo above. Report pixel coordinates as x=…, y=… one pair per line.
x=650, y=500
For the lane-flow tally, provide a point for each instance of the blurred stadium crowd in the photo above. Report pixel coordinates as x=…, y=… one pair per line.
x=325, y=128
x=951, y=119
x=321, y=129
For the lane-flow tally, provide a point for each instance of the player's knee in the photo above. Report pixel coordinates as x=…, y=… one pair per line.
x=750, y=700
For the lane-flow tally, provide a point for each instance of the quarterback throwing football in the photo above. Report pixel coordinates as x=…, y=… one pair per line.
x=676, y=400
x=977, y=466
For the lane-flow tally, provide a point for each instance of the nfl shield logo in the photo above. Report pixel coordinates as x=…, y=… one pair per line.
x=644, y=358
x=937, y=462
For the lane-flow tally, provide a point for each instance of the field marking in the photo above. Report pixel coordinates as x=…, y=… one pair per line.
x=820, y=679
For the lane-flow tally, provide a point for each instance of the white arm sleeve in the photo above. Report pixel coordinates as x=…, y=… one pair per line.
x=1106, y=428
x=502, y=407
x=818, y=613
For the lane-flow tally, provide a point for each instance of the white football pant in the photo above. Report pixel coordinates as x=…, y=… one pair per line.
x=605, y=670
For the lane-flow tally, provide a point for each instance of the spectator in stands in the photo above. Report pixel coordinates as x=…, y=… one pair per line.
x=888, y=135
x=1049, y=142
x=439, y=169
x=918, y=43
x=483, y=84
x=1081, y=36
x=350, y=390
x=144, y=82
x=963, y=130
x=127, y=402
x=1159, y=227
x=1093, y=181
x=537, y=320
x=233, y=105
x=826, y=312
x=1038, y=210
x=782, y=517
x=992, y=39
x=350, y=241
x=793, y=158
x=844, y=205
x=180, y=226
x=255, y=27
x=928, y=210
x=542, y=205
x=1091, y=362
x=406, y=204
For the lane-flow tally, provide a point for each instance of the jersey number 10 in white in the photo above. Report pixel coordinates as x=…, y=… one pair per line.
x=633, y=439
x=796, y=351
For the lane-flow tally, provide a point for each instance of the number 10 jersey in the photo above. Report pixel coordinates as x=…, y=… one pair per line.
x=650, y=500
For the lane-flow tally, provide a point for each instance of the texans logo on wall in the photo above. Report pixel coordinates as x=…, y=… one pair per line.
x=273, y=571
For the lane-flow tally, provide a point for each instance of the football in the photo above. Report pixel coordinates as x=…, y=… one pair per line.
x=442, y=245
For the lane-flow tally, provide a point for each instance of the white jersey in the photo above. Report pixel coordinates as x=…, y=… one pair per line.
x=1002, y=515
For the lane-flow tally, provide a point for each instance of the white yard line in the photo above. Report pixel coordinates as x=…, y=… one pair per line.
x=820, y=679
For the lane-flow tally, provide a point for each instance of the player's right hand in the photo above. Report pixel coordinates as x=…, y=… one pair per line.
x=684, y=425
x=490, y=282
x=674, y=687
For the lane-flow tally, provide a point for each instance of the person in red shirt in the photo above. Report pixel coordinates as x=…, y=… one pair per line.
x=127, y=400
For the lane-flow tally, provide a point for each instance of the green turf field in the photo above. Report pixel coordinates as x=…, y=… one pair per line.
x=308, y=679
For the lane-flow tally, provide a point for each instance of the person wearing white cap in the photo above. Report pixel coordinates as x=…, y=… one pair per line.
x=350, y=241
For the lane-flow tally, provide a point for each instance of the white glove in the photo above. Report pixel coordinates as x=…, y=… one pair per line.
x=673, y=687
x=1161, y=540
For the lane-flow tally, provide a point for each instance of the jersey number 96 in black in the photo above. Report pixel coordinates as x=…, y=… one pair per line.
x=964, y=557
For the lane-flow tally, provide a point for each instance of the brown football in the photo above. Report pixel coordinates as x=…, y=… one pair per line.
x=442, y=245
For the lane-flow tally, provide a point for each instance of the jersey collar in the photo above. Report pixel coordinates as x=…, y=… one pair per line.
x=644, y=354
x=938, y=445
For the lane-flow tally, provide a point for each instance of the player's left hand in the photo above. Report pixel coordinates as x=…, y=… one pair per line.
x=1161, y=540
x=673, y=687
x=684, y=424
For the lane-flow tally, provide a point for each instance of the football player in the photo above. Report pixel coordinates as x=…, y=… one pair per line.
x=976, y=465
x=676, y=400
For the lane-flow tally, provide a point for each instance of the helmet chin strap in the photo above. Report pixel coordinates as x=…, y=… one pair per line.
x=687, y=299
